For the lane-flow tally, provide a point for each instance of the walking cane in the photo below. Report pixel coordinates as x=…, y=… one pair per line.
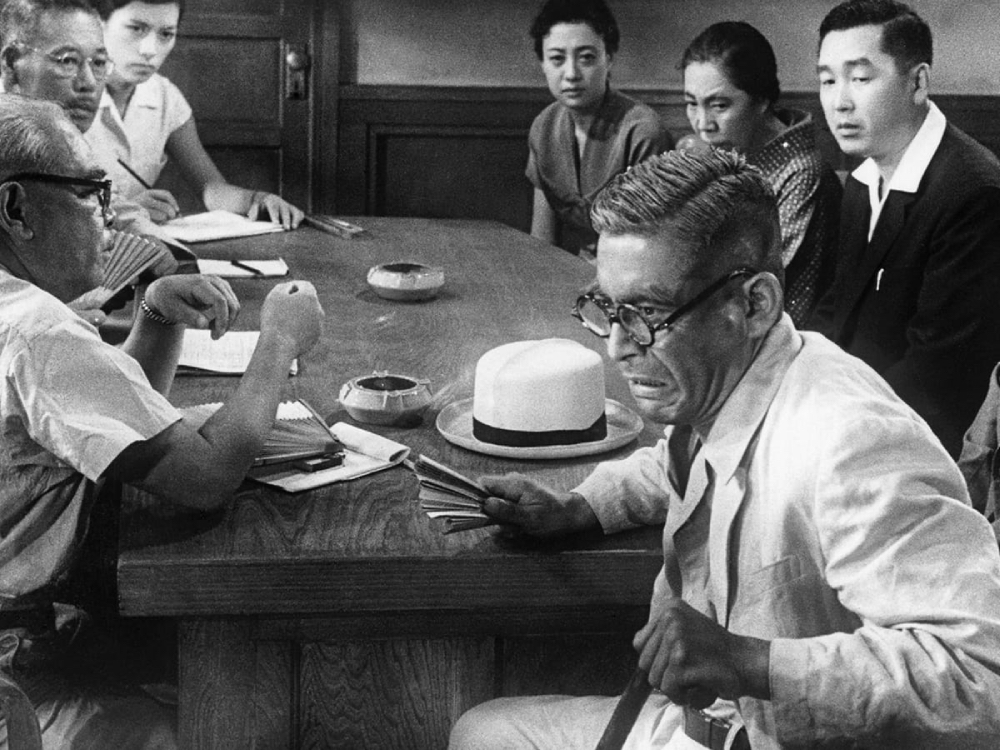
x=626, y=712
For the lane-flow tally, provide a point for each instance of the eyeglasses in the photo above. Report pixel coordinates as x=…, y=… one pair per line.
x=70, y=64
x=598, y=315
x=102, y=188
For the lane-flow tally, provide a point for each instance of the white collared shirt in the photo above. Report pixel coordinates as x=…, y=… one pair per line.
x=139, y=139
x=911, y=167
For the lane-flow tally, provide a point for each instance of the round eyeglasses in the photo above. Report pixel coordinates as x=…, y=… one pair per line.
x=69, y=64
x=598, y=314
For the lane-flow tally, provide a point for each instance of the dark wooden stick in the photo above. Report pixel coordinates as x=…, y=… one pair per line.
x=626, y=712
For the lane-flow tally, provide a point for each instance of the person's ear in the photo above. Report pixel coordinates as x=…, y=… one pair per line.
x=8, y=56
x=920, y=80
x=765, y=302
x=13, y=221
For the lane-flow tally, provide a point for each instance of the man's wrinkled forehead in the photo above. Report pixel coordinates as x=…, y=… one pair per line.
x=65, y=28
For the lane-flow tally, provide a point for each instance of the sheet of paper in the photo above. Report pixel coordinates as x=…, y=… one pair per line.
x=228, y=355
x=216, y=225
x=226, y=268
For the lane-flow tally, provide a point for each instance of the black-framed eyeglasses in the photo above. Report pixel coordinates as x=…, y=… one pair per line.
x=70, y=64
x=598, y=315
x=102, y=187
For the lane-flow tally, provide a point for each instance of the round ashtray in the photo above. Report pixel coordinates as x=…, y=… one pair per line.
x=405, y=280
x=382, y=398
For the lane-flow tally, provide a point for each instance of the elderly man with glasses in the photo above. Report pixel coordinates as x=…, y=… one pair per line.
x=54, y=50
x=825, y=580
x=77, y=411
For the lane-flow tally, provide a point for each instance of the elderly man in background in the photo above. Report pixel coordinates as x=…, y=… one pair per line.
x=54, y=50
x=76, y=411
x=825, y=580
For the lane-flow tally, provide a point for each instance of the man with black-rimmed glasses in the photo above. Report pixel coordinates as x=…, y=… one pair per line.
x=825, y=581
x=75, y=411
x=54, y=50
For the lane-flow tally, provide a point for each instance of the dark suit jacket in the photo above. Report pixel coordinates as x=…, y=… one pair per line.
x=921, y=303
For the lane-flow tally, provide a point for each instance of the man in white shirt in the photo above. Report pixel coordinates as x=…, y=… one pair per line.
x=76, y=411
x=824, y=576
x=56, y=52
x=917, y=288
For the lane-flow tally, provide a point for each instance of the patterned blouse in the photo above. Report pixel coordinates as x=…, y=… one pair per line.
x=809, y=194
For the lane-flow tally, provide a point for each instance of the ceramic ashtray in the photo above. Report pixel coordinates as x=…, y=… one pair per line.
x=405, y=280
x=382, y=398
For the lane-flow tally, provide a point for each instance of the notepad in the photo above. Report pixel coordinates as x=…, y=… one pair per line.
x=229, y=355
x=267, y=268
x=217, y=225
x=364, y=454
x=364, y=451
x=449, y=497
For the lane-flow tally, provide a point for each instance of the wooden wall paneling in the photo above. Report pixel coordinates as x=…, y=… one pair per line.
x=408, y=150
x=449, y=172
x=326, y=97
x=230, y=669
x=388, y=694
x=230, y=64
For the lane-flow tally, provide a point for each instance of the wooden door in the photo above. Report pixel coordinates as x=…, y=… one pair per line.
x=255, y=119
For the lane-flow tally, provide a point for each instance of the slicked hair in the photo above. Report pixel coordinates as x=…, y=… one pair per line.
x=28, y=142
x=713, y=205
x=743, y=53
x=107, y=7
x=19, y=19
x=594, y=13
x=906, y=37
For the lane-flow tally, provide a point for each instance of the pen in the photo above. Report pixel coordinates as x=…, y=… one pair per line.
x=135, y=174
x=247, y=267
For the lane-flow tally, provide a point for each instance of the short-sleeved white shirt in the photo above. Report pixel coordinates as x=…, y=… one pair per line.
x=156, y=110
x=69, y=405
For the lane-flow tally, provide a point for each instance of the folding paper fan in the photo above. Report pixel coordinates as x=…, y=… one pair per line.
x=130, y=256
x=298, y=432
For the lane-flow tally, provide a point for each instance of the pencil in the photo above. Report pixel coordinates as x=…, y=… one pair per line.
x=135, y=174
x=247, y=267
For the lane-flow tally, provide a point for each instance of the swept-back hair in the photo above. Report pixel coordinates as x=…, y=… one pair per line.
x=19, y=19
x=27, y=135
x=107, y=7
x=743, y=53
x=906, y=37
x=712, y=205
x=594, y=13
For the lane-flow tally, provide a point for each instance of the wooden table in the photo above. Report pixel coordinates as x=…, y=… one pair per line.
x=343, y=617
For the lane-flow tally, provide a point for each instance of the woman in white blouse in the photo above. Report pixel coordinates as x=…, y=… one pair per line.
x=145, y=120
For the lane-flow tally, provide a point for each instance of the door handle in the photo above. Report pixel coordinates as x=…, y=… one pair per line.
x=297, y=64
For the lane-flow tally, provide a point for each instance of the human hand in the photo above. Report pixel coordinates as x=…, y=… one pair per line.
x=293, y=310
x=535, y=509
x=275, y=208
x=693, y=660
x=161, y=205
x=196, y=300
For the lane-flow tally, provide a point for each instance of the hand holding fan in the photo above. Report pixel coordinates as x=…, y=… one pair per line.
x=130, y=256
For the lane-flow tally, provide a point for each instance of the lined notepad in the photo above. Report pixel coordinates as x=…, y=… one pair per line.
x=229, y=355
